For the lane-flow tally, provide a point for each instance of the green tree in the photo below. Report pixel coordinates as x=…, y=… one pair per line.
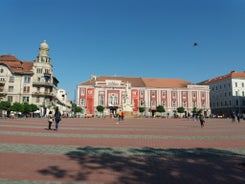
x=194, y=111
x=78, y=109
x=5, y=105
x=100, y=109
x=181, y=110
x=141, y=110
x=199, y=112
x=160, y=109
x=33, y=107
x=17, y=107
x=26, y=108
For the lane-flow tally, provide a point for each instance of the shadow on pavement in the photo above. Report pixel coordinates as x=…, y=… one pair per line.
x=152, y=166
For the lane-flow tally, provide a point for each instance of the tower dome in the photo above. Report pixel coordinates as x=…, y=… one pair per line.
x=44, y=45
x=43, y=52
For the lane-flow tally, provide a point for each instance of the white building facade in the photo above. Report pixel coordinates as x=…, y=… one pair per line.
x=227, y=94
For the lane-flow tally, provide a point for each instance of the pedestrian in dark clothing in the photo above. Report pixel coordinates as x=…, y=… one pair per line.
x=202, y=120
x=233, y=117
x=57, y=118
x=238, y=117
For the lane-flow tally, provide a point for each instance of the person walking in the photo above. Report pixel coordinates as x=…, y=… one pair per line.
x=202, y=120
x=233, y=117
x=57, y=118
x=122, y=115
x=119, y=114
x=50, y=119
x=238, y=117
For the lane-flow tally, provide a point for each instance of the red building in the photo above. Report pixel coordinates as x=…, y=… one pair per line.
x=130, y=93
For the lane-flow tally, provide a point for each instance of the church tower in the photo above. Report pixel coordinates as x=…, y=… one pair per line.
x=43, y=56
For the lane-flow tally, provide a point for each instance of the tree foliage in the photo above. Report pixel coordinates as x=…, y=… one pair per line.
x=78, y=109
x=160, y=109
x=33, y=107
x=5, y=105
x=17, y=107
x=26, y=108
x=197, y=111
x=141, y=109
x=100, y=108
x=23, y=108
x=194, y=111
x=180, y=110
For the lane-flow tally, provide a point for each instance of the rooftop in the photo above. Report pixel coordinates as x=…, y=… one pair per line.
x=142, y=82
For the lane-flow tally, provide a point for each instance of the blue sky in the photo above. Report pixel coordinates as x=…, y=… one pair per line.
x=138, y=38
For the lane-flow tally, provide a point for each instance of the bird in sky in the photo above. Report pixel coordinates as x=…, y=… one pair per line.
x=195, y=44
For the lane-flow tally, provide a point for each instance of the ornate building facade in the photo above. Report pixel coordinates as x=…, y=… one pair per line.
x=31, y=82
x=129, y=93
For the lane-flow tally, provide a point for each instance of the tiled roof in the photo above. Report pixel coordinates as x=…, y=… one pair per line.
x=230, y=75
x=15, y=65
x=165, y=83
x=9, y=58
x=136, y=82
x=143, y=82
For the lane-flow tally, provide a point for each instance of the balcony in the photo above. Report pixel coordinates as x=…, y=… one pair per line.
x=3, y=93
x=42, y=84
x=47, y=74
x=2, y=81
x=47, y=94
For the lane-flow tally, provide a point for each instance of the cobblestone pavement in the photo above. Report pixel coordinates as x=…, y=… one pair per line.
x=135, y=151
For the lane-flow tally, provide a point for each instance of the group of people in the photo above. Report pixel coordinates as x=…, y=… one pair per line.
x=236, y=117
x=56, y=117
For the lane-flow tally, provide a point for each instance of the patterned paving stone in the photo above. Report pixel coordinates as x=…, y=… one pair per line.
x=91, y=151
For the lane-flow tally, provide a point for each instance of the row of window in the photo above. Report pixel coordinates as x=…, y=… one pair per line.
x=40, y=70
x=164, y=94
x=220, y=86
x=113, y=100
x=26, y=99
x=227, y=104
x=26, y=89
x=224, y=94
x=27, y=79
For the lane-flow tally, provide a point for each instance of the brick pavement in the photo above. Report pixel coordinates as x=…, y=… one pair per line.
x=137, y=151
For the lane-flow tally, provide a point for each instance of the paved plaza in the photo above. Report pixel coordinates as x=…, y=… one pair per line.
x=135, y=151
